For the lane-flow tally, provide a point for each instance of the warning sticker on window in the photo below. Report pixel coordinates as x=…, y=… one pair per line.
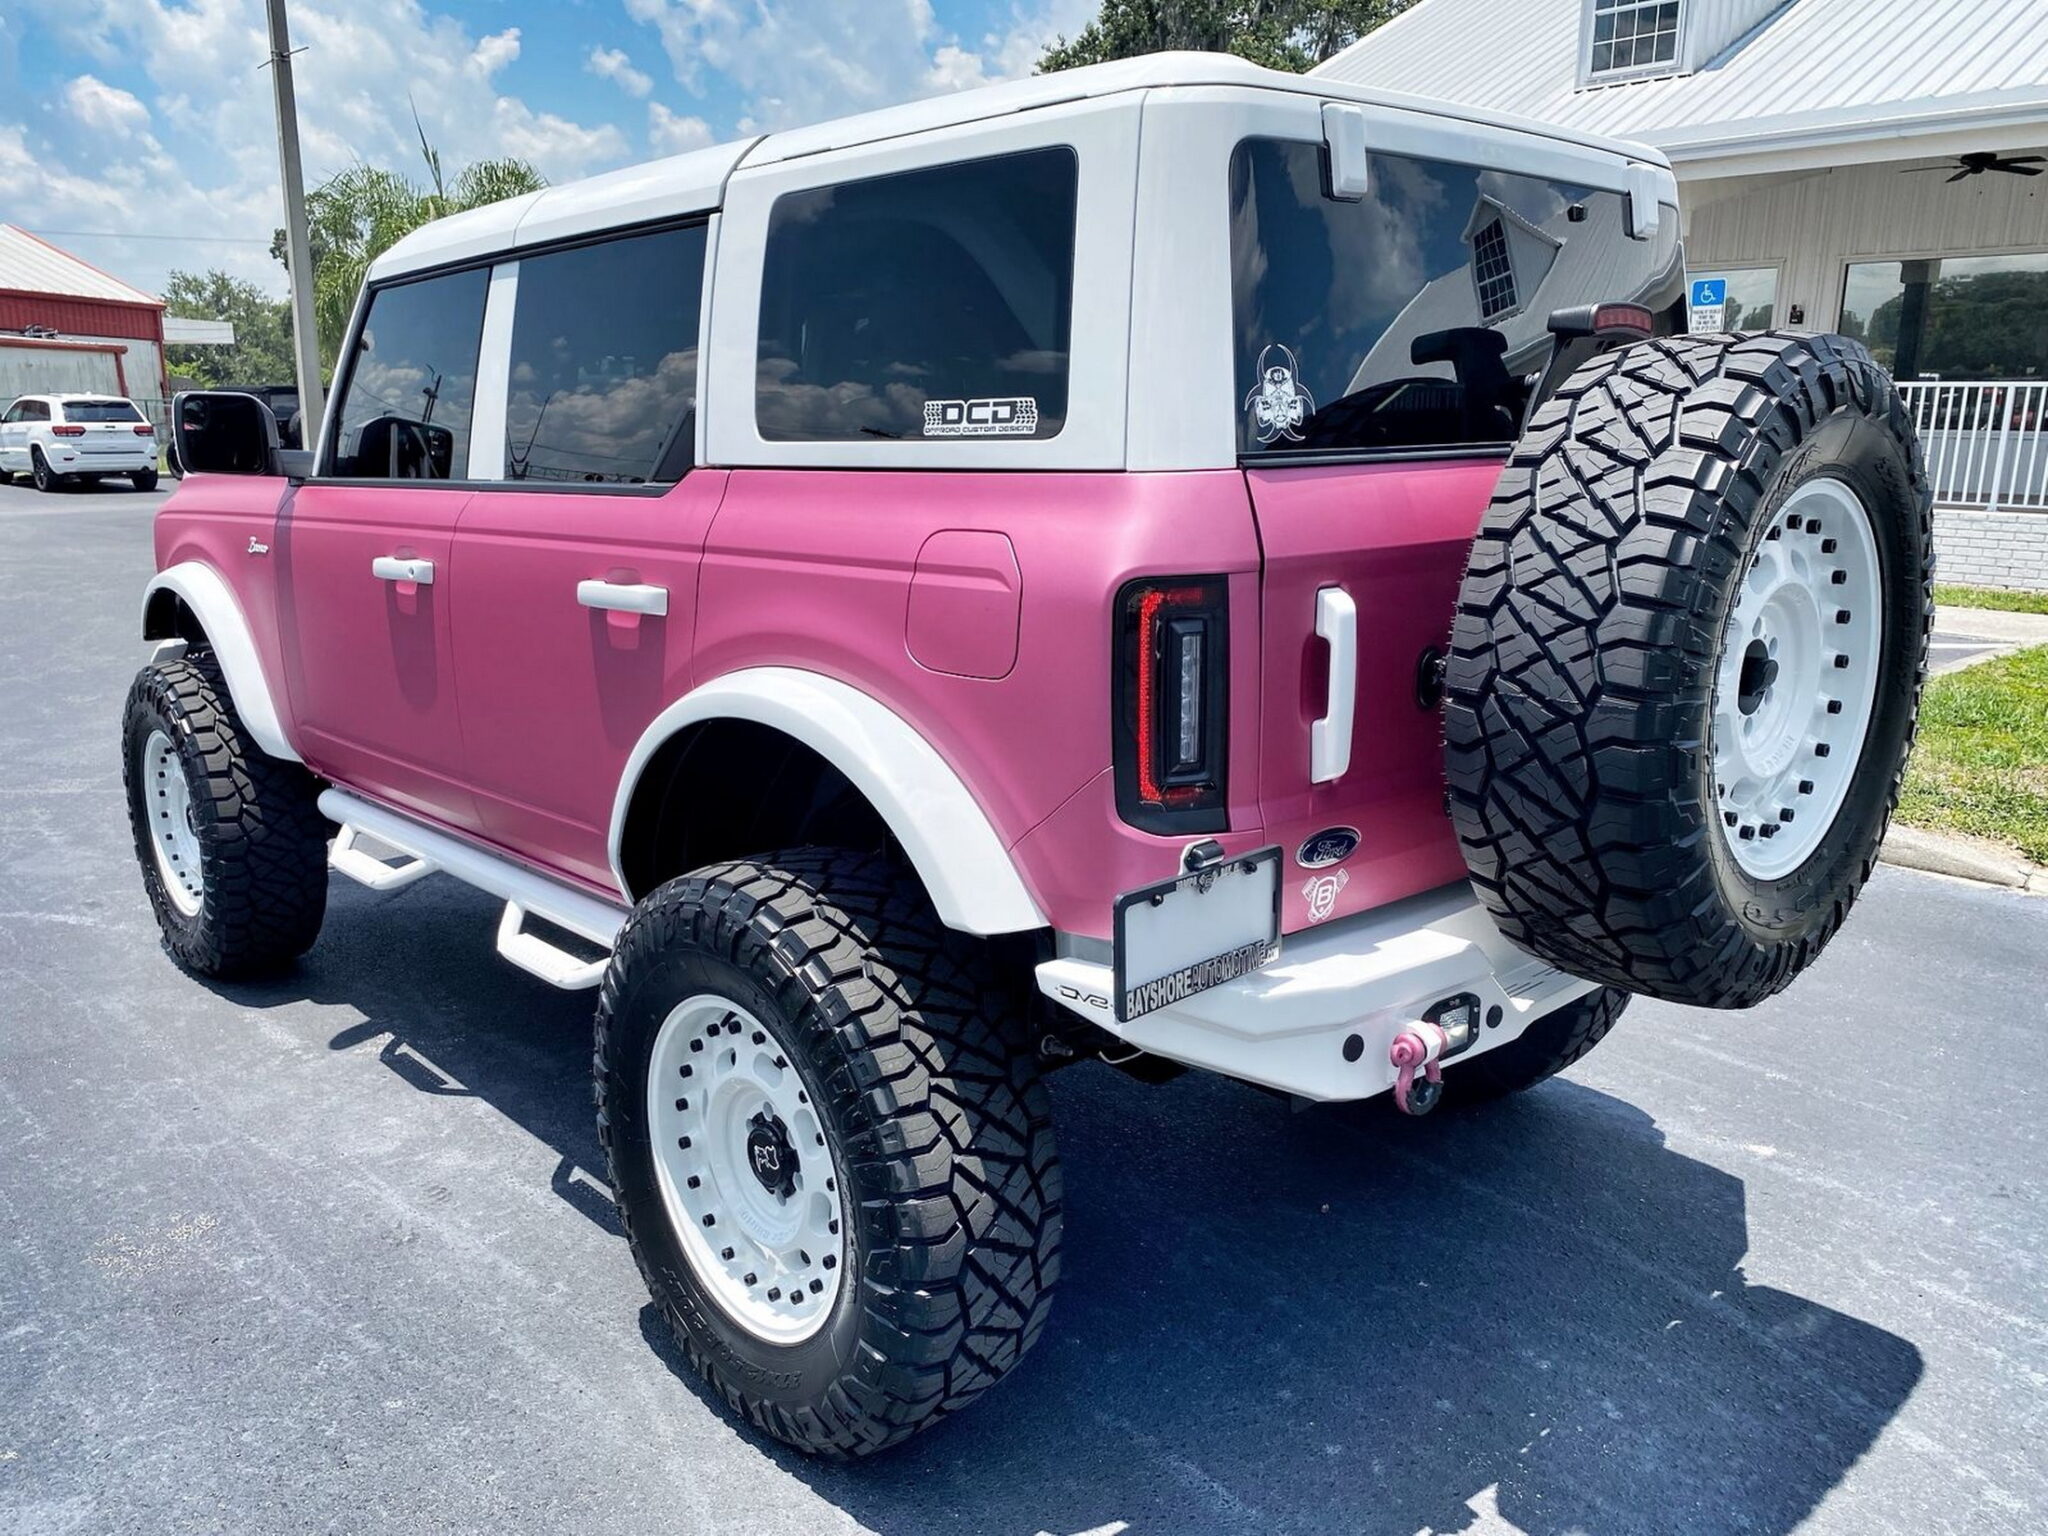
x=981, y=418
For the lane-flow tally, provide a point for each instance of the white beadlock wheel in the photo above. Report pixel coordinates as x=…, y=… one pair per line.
x=172, y=835
x=744, y=1170
x=1797, y=679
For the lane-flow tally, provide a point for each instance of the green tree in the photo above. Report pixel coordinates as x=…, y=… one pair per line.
x=1281, y=34
x=262, y=353
x=359, y=213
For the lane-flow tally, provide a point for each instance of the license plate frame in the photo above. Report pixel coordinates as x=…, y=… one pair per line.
x=1141, y=912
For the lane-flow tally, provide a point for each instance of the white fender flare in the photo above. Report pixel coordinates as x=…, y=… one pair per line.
x=948, y=838
x=212, y=601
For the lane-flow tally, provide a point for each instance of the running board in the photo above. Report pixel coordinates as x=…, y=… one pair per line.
x=525, y=892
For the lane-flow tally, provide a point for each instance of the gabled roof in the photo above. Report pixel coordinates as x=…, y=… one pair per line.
x=32, y=265
x=1814, y=74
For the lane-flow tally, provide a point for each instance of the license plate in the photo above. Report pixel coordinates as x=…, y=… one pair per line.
x=1198, y=931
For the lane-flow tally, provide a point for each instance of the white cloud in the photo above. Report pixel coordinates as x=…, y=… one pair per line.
x=363, y=67
x=105, y=107
x=616, y=65
x=670, y=133
x=801, y=61
x=494, y=52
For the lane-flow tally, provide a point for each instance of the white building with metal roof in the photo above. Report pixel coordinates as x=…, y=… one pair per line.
x=1868, y=166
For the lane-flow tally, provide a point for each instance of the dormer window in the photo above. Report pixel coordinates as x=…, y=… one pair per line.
x=1632, y=37
x=1493, y=272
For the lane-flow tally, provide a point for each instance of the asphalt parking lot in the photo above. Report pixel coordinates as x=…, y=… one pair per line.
x=333, y=1253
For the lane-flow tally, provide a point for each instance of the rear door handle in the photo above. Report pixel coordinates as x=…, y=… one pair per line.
x=623, y=597
x=391, y=568
x=1329, y=742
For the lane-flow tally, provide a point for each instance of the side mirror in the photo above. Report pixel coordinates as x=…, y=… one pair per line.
x=216, y=432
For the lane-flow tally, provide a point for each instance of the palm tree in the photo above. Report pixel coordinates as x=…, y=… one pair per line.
x=359, y=213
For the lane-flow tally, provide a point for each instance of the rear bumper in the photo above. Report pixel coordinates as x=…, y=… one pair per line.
x=1367, y=975
x=125, y=461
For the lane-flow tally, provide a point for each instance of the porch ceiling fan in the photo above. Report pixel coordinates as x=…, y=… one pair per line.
x=1977, y=162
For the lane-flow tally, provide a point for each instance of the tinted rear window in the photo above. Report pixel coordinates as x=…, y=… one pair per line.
x=930, y=304
x=100, y=410
x=1414, y=318
x=604, y=361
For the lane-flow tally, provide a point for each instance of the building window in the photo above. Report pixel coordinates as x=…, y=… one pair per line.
x=1630, y=36
x=1952, y=317
x=1493, y=275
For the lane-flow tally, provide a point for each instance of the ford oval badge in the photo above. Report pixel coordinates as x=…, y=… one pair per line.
x=1332, y=845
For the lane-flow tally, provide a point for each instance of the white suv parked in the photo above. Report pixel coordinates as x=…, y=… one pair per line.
x=58, y=440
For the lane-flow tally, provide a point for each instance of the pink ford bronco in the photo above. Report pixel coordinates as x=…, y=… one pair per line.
x=1169, y=563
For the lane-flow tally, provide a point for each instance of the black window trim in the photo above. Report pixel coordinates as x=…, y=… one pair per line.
x=484, y=264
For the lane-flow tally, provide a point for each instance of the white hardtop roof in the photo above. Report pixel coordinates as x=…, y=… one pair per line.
x=32, y=265
x=695, y=182
x=1816, y=75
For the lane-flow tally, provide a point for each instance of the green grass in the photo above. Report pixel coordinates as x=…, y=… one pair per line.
x=1992, y=597
x=1981, y=763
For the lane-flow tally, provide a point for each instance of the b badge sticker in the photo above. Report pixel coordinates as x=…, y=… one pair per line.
x=1320, y=891
x=1278, y=403
x=981, y=418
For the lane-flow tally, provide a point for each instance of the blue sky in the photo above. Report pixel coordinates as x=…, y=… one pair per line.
x=121, y=119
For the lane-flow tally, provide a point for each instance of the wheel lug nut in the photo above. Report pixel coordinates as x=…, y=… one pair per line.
x=1841, y=615
x=1785, y=814
x=750, y=1278
x=1841, y=661
x=1768, y=829
x=726, y=1254
x=1827, y=546
x=1806, y=786
x=1839, y=578
x=1834, y=706
x=1820, y=749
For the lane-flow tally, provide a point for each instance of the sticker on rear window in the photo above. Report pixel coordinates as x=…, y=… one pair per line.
x=981, y=418
x=1279, y=404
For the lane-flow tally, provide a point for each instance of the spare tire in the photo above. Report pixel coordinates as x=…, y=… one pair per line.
x=1687, y=662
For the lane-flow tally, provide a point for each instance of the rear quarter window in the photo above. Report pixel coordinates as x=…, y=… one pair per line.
x=931, y=304
x=1415, y=318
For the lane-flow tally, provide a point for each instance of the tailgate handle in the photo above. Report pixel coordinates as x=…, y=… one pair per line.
x=1329, y=751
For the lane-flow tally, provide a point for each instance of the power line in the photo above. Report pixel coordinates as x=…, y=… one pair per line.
x=115, y=234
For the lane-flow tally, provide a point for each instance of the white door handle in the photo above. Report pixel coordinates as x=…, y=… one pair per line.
x=1329, y=743
x=623, y=597
x=391, y=568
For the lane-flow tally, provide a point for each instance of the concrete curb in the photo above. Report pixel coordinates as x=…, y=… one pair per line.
x=1976, y=859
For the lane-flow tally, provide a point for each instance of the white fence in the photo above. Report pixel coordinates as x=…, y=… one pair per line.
x=1986, y=442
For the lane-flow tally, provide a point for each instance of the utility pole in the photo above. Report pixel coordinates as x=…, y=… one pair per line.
x=298, y=249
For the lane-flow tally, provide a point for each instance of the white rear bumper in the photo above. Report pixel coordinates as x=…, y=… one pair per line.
x=1286, y=1026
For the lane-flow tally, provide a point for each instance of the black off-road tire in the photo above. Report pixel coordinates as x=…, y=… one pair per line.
x=1581, y=681
x=262, y=839
x=1541, y=1051
x=939, y=1128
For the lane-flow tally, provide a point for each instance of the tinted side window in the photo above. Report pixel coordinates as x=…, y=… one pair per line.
x=412, y=383
x=1418, y=316
x=604, y=361
x=930, y=304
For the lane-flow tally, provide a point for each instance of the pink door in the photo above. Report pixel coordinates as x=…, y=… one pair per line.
x=364, y=584
x=579, y=593
x=572, y=632
x=1389, y=541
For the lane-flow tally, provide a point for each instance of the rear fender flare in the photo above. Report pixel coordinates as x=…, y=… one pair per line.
x=966, y=870
x=206, y=593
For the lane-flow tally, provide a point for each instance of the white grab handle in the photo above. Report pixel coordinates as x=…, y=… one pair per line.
x=391, y=568
x=623, y=597
x=1329, y=750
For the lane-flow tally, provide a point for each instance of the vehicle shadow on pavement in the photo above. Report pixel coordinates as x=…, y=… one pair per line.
x=1530, y=1317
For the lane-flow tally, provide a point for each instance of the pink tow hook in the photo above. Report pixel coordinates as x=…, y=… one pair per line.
x=1418, y=1045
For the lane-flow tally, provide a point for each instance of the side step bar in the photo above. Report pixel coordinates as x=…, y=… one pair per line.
x=525, y=892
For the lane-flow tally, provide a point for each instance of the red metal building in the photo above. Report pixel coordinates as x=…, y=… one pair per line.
x=67, y=326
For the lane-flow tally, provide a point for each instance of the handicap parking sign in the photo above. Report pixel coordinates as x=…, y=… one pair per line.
x=1707, y=305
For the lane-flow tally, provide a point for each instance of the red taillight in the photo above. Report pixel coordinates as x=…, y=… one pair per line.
x=145, y=430
x=1172, y=687
x=1631, y=319
x=67, y=431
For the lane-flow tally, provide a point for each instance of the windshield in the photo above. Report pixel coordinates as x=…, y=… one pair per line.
x=100, y=410
x=1414, y=318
